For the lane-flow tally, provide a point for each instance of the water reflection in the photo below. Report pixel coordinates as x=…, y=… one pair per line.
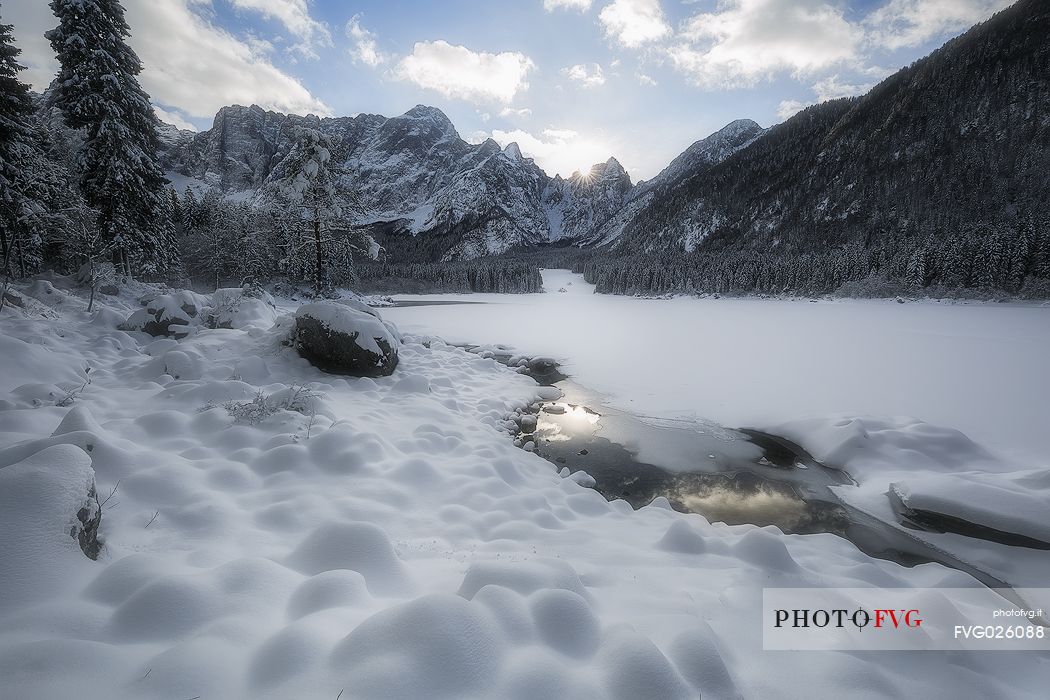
x=726, y=475
x=763, y=506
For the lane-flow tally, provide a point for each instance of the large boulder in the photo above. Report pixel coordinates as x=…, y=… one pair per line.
x=343, y=339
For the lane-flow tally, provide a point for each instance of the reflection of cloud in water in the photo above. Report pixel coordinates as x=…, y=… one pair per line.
x=559, y=422
x=762, y=506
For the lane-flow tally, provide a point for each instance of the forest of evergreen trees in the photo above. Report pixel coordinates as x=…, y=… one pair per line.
x=495, y=275
x=979, y=262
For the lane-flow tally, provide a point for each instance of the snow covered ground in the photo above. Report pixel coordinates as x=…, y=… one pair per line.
x=386, y=540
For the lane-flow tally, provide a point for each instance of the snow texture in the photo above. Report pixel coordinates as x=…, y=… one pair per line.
x=389, y=543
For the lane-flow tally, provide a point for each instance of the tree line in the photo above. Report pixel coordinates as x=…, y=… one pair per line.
x=977, y=262
x=489, y=275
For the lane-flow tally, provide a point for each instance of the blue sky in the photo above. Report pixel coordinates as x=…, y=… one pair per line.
x=572, y=81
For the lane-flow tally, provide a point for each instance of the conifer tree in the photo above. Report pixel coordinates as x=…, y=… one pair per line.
x=97, y=91
x=29, y=183
x=304, y=183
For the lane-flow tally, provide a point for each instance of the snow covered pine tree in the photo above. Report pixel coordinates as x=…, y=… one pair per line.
x=97, y=91
x=303, y=188
x=29, y=182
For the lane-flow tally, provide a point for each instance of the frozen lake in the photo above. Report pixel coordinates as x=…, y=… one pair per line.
x=979, y=368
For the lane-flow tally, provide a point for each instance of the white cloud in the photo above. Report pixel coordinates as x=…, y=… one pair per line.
x=562, y=151
x=644, y=79
x=634, y=22
x=789, y=108
x=901, y=23
x=365, y=48
x=295, y=16
x=456, y=71
x=189, y=64
x=552, y=5
x=746, y=40
x=830, y=88
x=174, y=118
x=515, y=112
x=588, y=75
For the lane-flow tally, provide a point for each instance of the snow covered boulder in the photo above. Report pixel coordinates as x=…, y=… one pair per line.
x=343, y=339
x=239, y=308
x=166, y=314
x=48, y=506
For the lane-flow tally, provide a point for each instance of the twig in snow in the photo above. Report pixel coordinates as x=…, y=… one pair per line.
x=340, y=694
x=72, y=395
x=153, y=518
x=107, y=498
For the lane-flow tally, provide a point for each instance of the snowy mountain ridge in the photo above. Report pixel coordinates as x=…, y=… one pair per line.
x=423, y=190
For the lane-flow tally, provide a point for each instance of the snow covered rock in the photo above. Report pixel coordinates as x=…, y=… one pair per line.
x=240, y=308
x=342, y=339
x=167, y=314
x=47, y=512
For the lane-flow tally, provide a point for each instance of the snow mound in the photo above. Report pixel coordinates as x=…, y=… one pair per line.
x=361, y=547
x=34, y=363
x=864, y=445
x=565, y=622
x=682, y=538
x=40, y=498
x=328, y=589
x=438, y=646
x=634, y=668
x=241, y=308
x=522, y=577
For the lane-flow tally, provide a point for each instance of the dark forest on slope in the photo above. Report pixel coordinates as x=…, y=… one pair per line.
x=937, y=178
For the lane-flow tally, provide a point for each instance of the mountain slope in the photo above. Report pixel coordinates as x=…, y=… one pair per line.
x=939, y=176
x=694, y=161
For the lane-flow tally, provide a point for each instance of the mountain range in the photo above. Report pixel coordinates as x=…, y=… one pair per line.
x=423, y=191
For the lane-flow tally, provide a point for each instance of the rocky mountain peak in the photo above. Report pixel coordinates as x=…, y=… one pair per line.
x=513, y=151
x=431, y=118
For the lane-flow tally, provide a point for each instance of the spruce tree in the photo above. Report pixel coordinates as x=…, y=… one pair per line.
x=304, y=184
x=97, y=91
x=28, y=181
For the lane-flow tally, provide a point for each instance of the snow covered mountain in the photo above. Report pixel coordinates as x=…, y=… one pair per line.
x=691, y=163
x=577, y=206
x=423, y=191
